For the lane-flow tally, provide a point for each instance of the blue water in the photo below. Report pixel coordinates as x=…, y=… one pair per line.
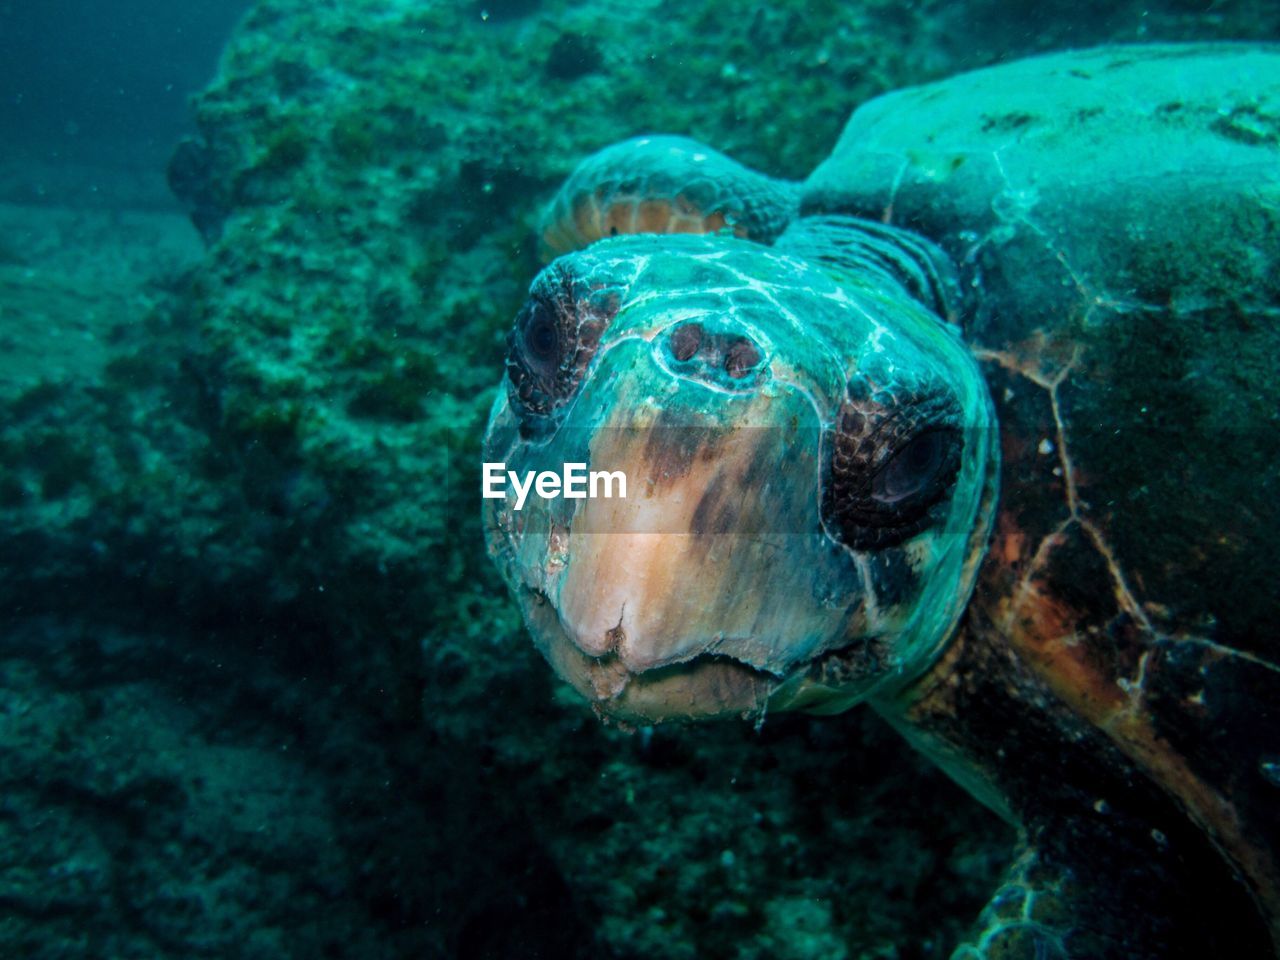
x=74, y=70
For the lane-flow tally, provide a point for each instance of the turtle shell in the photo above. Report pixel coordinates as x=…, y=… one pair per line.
x=1116, y=215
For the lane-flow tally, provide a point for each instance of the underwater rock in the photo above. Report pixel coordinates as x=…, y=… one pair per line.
x=190, y=177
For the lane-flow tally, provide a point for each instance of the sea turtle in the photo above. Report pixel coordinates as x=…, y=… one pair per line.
x=977, y=424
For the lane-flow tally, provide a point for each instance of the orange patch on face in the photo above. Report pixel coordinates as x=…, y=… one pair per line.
x=695, y=560
x=645, y=581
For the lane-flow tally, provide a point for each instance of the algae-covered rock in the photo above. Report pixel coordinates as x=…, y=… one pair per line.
x=313, y=726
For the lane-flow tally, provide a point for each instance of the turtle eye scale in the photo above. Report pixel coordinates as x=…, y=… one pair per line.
x=892, y=464
x=551, y=345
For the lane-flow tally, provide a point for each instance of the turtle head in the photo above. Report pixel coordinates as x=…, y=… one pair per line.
x=759, y=485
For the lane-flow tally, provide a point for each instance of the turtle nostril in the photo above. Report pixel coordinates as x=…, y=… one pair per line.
x=686, y=340
x=713, y=355
x=742, y=357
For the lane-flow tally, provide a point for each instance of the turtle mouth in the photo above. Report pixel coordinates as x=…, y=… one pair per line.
x=713, y=683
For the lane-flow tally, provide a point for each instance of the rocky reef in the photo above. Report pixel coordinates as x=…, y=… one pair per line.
x=260, y=692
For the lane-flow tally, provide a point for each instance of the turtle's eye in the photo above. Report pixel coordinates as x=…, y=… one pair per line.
x=540, y=337
x=544, y=340
x=554, y=338
x=912, y=470
x=893, y=460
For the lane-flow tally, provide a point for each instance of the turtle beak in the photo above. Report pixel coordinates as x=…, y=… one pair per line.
x=681, y=598
x=703, y=687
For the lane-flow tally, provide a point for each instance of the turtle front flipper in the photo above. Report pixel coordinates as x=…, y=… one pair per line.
x=1093, y=890
x=1028, y=917
x=663, y=184
x=1112, y=865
